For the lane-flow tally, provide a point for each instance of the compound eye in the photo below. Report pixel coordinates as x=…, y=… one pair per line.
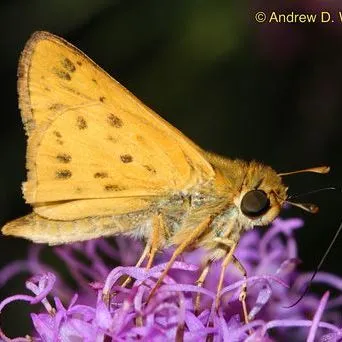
x=254, y=203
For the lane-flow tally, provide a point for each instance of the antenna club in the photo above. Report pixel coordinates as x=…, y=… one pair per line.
x=318, y=169
x=325, y=169
x=309, y=207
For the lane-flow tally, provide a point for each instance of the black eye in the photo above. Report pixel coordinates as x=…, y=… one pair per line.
x=254, y=203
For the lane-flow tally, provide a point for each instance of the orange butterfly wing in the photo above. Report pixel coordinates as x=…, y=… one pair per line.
x=89, y=138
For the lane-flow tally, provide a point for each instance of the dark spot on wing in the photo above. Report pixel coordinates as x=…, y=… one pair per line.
x=94, y=80
x=62, y=74
x=150, y=168
x=64, y=158
x=126, y=158
x=114, y=121
x=79, y=63
x=57, y=106
x=113, y=187
x=47, y=89
x=140, y=138
x=63, y=174
x=100, y=175
x=102, y=99
x=67, y=64
x=81, y=122
x=57, y=134
x=112, y=139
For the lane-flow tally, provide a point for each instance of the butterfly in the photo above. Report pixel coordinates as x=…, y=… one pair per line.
x=101, y=163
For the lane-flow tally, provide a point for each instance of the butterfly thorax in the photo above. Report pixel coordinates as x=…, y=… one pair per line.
x=222, y=198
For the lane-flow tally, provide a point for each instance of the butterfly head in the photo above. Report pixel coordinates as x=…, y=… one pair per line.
x=263, y=194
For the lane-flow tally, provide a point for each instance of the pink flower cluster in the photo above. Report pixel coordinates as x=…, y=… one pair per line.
x=274, y=283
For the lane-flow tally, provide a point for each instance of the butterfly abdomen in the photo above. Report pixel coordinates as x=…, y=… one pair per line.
x=53, y=232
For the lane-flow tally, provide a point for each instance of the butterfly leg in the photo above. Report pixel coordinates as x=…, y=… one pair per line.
x=145, y=252
x=200, y=281
x=243, y=293
x=152, y=246
x=231, y=246
x=190, y=239
x=158, y=237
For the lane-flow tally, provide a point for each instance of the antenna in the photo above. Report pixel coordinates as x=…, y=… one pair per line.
x=309, y=207
x=318, y=169
x=312, y=192
x=317, y=268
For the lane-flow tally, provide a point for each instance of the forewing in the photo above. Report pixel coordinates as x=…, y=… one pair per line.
x=89, y=138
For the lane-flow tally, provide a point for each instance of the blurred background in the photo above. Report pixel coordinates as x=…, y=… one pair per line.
x=265, y=91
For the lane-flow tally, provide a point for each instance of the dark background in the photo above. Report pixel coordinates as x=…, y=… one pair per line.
x=270, y=92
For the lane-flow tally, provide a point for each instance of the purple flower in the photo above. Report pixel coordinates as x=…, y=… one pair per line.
x=104, y=311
